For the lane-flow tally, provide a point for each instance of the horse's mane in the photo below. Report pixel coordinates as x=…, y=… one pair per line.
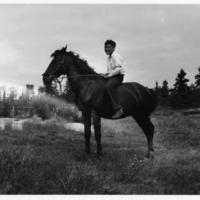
x=81, y=64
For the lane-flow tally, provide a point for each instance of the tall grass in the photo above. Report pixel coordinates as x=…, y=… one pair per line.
x=45, y=158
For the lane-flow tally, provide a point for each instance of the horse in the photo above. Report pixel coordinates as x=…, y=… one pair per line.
x=92, y=100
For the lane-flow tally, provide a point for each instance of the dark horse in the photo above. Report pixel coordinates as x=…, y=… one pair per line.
x=137, y=101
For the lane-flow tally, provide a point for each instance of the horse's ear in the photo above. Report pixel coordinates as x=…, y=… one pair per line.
x=54, y=53
x=65, y=48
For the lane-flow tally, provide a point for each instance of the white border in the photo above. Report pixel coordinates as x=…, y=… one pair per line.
x=99, y=2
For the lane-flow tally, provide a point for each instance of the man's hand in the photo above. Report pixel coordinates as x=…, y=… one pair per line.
x=105, y=75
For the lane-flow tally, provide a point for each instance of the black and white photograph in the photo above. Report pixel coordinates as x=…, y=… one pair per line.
x=100, y=98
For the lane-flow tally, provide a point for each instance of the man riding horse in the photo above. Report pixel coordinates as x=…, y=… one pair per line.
x=96, y=96
x=115, y=75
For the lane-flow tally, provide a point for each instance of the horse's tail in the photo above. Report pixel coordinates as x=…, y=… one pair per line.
x=154, y=100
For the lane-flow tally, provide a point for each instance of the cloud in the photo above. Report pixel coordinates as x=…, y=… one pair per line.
x=8, y=53
x=154, y=40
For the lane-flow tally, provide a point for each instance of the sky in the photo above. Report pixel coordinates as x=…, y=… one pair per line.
x=156, y=41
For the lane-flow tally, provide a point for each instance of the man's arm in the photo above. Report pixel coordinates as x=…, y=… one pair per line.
x=116, y=71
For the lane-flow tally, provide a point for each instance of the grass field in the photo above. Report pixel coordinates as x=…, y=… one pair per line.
x=48, y=159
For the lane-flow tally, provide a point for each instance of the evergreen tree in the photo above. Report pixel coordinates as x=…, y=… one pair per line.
x=4, y=96
x=1, y=94
x=197, y=78
x=181, y=82
x=0, y=97
x=180, y=93
x=164, y=91
x=194, y=96
x=5, y=106
x=195, y=91
x=157, y=88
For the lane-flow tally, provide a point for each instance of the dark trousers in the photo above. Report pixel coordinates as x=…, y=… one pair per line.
x=111, y=88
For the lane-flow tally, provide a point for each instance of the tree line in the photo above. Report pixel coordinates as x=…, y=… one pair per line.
x=181, y=95
x=42, y=101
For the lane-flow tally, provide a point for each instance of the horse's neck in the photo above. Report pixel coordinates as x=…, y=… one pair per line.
x=75, y=79
x=78, y=80
x=72, y=72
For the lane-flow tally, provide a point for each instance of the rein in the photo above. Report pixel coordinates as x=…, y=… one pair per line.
x=68, y=77
x=82, y=75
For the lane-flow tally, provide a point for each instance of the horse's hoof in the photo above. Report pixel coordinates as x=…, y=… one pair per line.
x=150, y=155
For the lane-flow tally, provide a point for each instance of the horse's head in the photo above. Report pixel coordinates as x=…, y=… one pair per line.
x=68, y=63
x=56, y=67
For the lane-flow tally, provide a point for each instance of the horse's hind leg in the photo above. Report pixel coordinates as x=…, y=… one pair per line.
x=148, y=128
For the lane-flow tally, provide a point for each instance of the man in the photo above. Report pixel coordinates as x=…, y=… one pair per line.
x=115, y=75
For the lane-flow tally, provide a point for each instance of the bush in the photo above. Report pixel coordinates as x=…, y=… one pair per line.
x=71, y=113
x=6, y=110
x=42, y=110
x=46, y=107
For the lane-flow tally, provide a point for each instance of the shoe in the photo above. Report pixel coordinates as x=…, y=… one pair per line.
x=118, y=113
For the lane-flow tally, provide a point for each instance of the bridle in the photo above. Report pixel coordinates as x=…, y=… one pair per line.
x=53, y=78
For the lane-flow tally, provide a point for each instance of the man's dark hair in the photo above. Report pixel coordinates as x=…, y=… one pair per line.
x=111, y=42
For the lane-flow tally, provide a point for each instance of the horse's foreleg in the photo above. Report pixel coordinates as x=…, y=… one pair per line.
x=87, y=127
x=97, y=130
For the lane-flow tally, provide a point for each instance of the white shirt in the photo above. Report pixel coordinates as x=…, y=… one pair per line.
x=115, y=64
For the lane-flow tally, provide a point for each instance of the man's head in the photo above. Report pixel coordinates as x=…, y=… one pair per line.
x=109, y=47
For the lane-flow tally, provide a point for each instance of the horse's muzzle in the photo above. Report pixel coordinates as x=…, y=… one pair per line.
x=47, y=79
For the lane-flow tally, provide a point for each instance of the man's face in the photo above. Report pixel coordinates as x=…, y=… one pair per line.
x=109, y=49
